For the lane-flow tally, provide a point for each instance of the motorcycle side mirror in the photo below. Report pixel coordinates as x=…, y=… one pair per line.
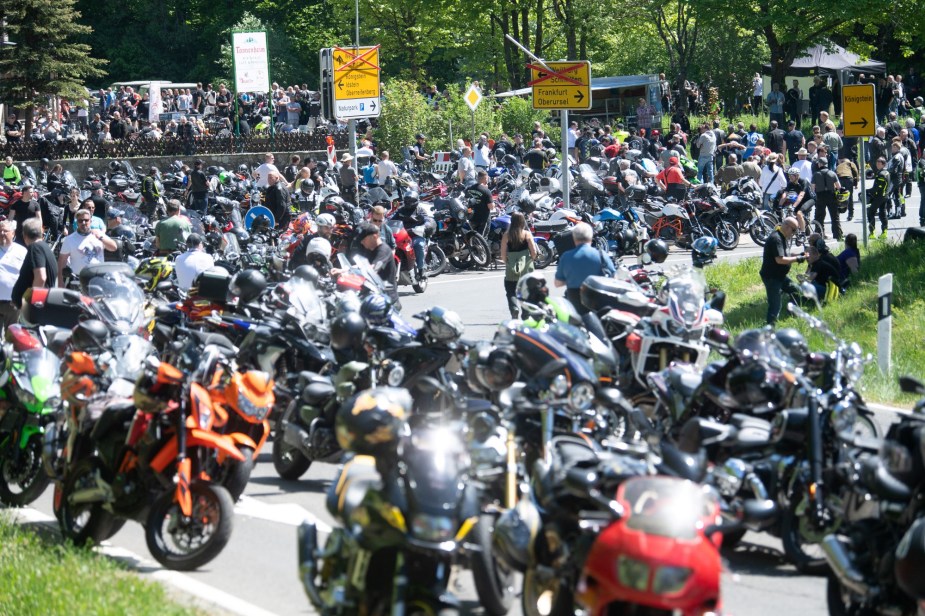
x=718, y=301
x=809, y=292
x=718, y=336
x=910, y=385
x=164, y=286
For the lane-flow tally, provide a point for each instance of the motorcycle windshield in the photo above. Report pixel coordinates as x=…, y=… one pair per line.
x=36, y=372
x=67, y=178
x=665, y=506
x=435, y=461
x=128, y=356
x=119, y=302
x=686, y=297
x=305, y=302
x=232, y=246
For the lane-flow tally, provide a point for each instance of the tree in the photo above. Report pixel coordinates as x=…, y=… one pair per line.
x=45, y=59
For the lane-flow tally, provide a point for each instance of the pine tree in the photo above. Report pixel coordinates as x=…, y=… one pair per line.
x=46, y=58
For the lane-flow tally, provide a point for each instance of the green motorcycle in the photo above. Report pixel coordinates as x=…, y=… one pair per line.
x=30, y=397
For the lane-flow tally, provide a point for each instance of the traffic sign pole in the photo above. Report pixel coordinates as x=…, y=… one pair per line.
x=564, y=167
x=862, y=154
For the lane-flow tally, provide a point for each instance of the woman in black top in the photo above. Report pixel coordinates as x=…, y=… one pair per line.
x=518, y=252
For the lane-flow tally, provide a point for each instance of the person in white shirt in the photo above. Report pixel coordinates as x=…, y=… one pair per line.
x=193, y=262
x=482, y=153
x=773, y=179
x=12, y=256
x=83, y=248
x=386, y=168
x=262, y=173
x=804, y=165
x=465, y=169
x=572, y=136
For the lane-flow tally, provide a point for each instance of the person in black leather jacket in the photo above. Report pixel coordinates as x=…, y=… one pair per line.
x=412, y=215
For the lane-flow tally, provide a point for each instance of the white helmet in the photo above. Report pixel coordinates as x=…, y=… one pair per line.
x=325, y=220
x=320, y=246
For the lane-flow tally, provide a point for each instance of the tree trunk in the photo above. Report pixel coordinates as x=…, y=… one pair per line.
x=538, y=38
x=525, y=33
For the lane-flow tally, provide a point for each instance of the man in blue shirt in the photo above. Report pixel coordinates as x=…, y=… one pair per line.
x=583, y=261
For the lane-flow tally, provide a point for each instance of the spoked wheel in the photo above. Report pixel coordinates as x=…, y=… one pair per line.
x=727, y=235
x=420, y=284
x=545, y=595
x=763, y=227
x=545, y=255
x=185, y=543
x=435, y=261
x=479, y=252
x=22, y=475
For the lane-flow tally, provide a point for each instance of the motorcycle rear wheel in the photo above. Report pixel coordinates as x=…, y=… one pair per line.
x=83, y=523
x=23, y=482
x=177, y=543
x=289, y=462
x=763, y=227
x=837, y=599
x=545, y=255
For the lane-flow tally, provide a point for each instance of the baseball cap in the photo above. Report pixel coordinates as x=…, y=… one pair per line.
x=673, y=160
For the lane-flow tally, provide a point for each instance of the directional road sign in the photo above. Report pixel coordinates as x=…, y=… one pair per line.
x=473, y=97
x=356, y=82
x=860, y=110
x=567, y=85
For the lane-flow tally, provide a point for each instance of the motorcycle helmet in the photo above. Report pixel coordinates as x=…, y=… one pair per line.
x=348, y=330
x=224, y=177
x=411, y=199
x=153, y=271
x=490, y=369
x=90, y=336
x=242, y=169
x=307, y=186
x=115, y=167
x=209, y=223
x=794, y=343
x=302, y=224
x=657, y=249
x=326, y=220
x=261, y=224
x=751, y=340
x=703, y=251
x=550, y=154
x=319, y=246
x=332, y=203
x=212, y=170
x=372, y=422
x=532, y=289
x=443, y=325
x=376, y=309
x=514, y=533
x=909, y=567
x=348, y=302
x=248, y=285
x=306, y=273
x=793, y=171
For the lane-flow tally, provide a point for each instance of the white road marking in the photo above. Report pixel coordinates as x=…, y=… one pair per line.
x=290, y=514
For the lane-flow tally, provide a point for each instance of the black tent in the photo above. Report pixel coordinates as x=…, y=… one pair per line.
x=828, y=59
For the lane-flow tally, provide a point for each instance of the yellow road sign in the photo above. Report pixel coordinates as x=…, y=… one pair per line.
x=566, y=86
x=356, y=82
x=860, y=110
x=473, y=97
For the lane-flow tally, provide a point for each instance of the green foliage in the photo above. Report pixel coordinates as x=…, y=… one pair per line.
x=284, y=59
x=405, y=112
x=44, y=578
x=517, y=115
x=452, y=108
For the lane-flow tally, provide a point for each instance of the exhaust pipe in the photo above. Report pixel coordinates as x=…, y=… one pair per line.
x=838, y=558
x=295, y=436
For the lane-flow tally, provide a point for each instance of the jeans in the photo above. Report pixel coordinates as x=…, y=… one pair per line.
x=419, y=243
x=199, y=203
x=833, y=160
x=513, y=304
x=705, y=168
x=774, y=288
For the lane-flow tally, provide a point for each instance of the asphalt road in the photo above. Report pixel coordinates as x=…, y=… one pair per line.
x=256, y=573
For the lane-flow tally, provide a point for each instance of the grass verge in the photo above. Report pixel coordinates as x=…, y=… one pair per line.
x=853, y=317
x=38, y=576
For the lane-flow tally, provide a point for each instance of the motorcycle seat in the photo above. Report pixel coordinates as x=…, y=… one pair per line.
x=318, y=392
x=117, y=415
x=546, y=226
x=355, y=479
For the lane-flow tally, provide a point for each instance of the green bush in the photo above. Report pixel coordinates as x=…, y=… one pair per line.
x=405, y=112
x=517, y=115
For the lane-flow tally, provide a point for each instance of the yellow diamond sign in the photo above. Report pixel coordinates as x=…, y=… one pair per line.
x=473, y=97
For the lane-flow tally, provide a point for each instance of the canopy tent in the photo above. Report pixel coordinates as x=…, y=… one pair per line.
x=830, y=58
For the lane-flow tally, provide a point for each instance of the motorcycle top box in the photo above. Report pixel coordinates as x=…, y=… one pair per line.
x=600, y=292
x=55, y=307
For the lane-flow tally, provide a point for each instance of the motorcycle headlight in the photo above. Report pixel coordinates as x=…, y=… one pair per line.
x=843, y=417
x=252, y=410
x=670, y=580
x=633, y=573
x=394, y=374
x=559, y=386
x=581, y=396
x=854, y=369
x=432, y=527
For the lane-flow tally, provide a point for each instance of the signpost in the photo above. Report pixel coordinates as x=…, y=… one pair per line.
x=859, y=109
x=473, y=97
x=249, y=58
x=356, y=82
x=561, y=85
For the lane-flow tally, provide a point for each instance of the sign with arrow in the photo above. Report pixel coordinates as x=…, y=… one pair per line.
x=561, y=85
x=860, y=110
x=356, y=82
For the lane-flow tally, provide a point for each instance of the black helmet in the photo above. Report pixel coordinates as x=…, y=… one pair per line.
x=703, y=251
x=657, y=249
x=794, y=343
x=242, y=169
x=91, y=336
x=411, y=199
x=212, y=170
x=347, y=331
x=910, y=561
x=306, y=273
x=248, y=285
x=533, y=289
x=307, y=185
x=509, y=160
x=376, y=309
x=45, y=162
x=115, y=167
x=261, y=223
x=373, y=421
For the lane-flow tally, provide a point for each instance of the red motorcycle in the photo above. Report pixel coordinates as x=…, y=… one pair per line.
x=404, y=258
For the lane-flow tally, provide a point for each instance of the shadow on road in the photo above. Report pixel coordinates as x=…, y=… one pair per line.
x=752, y=558
x=285, y=485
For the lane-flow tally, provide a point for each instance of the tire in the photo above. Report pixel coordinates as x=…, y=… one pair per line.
x=727, y=235
x=836, y=599
x=435, y=262
x=289, y=462
x=479, y=251
x=85, y=523
x=23, y=482
x=213, y=510
x=235, y=474
x=763, y=227
x=814, y=226
x=794, y=521
x=419, y=285
x=494, y=583
x=561, y=602
x=545, y=255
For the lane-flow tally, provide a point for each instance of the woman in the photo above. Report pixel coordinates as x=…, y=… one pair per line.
x=55, y=179
x=773, y=179
x=518, y=252
x=849, y=260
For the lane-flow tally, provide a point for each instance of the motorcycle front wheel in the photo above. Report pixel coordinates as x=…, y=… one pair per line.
x=235, y=474
x=479, y=252
x=762, y=228
x=435, y=261
x=22, y=480
x=494, y=582
x=83, y=523
x=800, y=540
x=185, y=544
x=727, y=234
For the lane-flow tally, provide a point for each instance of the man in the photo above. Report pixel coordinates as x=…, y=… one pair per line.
x=793, y=102
x=11, y=174
x=12, y=256
x=292, y=170
x=577, y=264
x=124, y=236
x=572, y=135
x=38, y=269
x=277, y=200
x=198, y=188
x=377, y=217
x=262, y=173
x=535, y=158
x=418, y=152
x=794, y=141
x=193, y=262
x=465, y=168
x=481, y=153
x=751, y=141
x=825, y=184
x=877, y=147
x=151, y=193
x=776, y=141
x=802, y=191
x=25, y=208
x=644, y=114
x=671, y=180
x=849, y=177
x=479, y=197
x=12, y=128
x=348, y=178
x=385, y=169
x=172, y=231
x=775, y=102
x=413, y=215
x=775, y=267
x=380, y=256
x=757, y=93
x=85, y=247
x=706, y=145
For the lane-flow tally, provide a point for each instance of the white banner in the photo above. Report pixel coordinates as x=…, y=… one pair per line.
x=251, y=64
x=155, y=103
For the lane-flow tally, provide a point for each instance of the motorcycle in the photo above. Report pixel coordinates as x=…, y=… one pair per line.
x=463, y=246
x=404, y=256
